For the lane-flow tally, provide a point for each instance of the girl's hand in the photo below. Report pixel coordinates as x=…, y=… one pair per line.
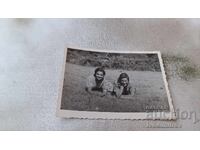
x=121, y=87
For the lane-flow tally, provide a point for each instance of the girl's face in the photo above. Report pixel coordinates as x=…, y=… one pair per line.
x=124, y=82
x=99, y=75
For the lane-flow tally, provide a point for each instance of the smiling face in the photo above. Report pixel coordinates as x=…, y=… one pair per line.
x=124, y=82
x=99, y=75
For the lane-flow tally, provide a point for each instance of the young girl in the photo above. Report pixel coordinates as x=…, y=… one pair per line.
x=97, y=84
x=123, y=88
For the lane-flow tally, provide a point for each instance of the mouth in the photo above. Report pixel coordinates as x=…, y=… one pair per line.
x=124, y=84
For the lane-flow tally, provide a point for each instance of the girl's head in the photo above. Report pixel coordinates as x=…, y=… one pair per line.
x=99, y=73
x=123, y=79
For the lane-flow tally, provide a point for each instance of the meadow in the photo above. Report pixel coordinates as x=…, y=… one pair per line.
x=150, y=91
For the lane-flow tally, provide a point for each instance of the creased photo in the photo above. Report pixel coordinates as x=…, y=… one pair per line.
x=107, y=84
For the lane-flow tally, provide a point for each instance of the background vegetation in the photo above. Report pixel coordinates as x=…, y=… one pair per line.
x=133, y=62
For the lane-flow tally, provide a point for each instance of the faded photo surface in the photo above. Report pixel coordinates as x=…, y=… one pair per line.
x=113, y=82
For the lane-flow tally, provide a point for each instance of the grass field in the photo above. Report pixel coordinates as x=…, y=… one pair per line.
x=150, y=92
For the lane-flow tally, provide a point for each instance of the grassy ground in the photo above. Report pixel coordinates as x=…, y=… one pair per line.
x=150, y=92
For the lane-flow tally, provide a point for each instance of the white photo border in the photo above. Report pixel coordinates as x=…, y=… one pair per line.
x=116, y=115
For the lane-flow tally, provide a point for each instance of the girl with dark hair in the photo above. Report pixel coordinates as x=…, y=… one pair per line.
x=123, y=87
x=97, y=84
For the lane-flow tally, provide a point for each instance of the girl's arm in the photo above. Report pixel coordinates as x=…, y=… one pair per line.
x=118, y=91
x=132, y=93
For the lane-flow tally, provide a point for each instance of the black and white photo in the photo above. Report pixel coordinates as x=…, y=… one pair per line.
x=112, y=84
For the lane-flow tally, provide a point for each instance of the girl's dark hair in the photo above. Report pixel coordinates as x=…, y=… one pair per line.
x=99, y=69
x=122, y=75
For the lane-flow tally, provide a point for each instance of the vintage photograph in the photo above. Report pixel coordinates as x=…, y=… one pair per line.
x=114, y=85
